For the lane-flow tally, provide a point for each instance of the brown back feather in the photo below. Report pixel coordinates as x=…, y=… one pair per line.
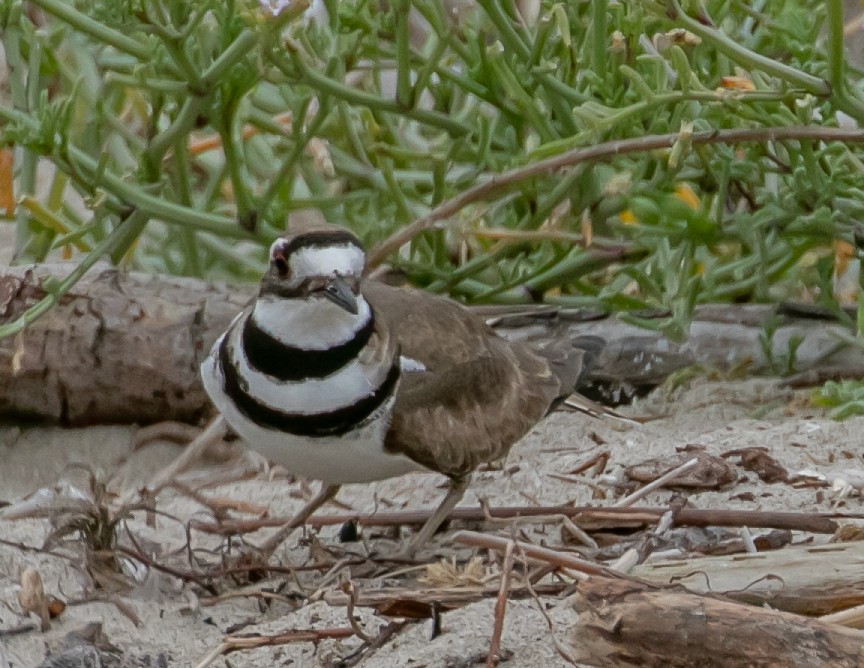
x=478, y=394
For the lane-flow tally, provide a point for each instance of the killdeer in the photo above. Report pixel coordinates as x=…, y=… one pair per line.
x=343, y=379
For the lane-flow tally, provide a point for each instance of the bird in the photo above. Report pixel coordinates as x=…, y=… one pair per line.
x=343, y=379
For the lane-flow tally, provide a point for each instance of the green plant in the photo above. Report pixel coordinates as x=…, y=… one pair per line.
x=845, y=398
x=190, y=131
x=778, y=363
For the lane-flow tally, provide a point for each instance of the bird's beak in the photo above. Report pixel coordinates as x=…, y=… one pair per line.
x=339, y=292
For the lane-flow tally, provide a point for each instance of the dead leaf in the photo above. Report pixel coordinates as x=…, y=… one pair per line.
x=450, y=574
x=761, y=463
x=711, y=472
x=848, y=533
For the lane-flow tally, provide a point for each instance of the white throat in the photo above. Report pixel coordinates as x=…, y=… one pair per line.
x=311, y=324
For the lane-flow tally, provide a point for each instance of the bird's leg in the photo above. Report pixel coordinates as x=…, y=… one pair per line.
x=326, y=493
x=454, y=496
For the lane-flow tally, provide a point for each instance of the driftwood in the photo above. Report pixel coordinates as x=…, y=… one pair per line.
x=808, y=580
x=117, y=348
x=628, y=624
x=125, y=347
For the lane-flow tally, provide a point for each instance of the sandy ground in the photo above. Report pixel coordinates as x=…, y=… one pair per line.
x=717, y=415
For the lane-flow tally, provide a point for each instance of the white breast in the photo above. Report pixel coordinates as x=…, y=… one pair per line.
x=357, y=456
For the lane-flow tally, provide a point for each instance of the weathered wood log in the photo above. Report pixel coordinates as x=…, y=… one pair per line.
x=120, y=347
x=125, y=347
x=721, y=337
x=805, y=579
x=628, y=624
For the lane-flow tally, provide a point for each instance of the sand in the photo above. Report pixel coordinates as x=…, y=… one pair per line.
x=717, y=415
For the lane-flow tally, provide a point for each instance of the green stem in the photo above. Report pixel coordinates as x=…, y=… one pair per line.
x=117, y=240
x=506, y=32
x=20, y=89
x=183, y=180
x=402, y=205
x=350, y=129
x=836, y=45
x=348, y=165
x=566, y=187
x=235, y=163
x=49, y=219
x=183, y=123
x=339, y=90
x=523, y=100
x=845, y=99
x=599, y=39
x=288, y=165
x=725, y=44
x=98, y=31
x=404, y=92
x=161, y=85
x=242, y=45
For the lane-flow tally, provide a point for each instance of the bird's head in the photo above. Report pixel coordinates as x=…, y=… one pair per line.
x=325, y=264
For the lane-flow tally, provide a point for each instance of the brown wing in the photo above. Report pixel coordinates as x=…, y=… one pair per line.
x=478, y=393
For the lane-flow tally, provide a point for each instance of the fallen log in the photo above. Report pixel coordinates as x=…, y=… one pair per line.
x=805, y=579
x=126, y=346
x=624, y=623
x=118, y=348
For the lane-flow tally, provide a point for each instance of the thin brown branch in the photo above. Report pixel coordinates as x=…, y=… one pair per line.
x=185, y=576
x=351, y=591
x=563, y=650
x=234, y=643
x=589, y=518
x=505, y=180
x=560, y=559
x=520, y=236
x=501, y=607
x=446, y=597
x=378, y=642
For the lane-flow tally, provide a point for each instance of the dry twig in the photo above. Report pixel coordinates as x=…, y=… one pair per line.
x=501, y=607
x=351, y=591
x=235, y=643
x=590, y=518
x=560, y=559
x=642, y=492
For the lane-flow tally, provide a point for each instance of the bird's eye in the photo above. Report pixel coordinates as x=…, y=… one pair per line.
x=280, y=264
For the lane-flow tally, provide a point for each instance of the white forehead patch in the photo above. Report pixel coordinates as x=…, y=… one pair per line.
x=345, y=260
